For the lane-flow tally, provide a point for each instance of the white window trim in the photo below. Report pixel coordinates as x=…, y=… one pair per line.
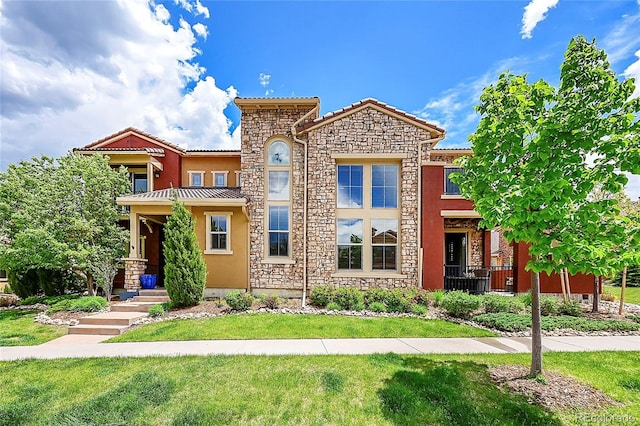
x=238, y=177
x=267, y=257
x=368, y=213
x=222, y=172
x=191, y=173
x=208, y=249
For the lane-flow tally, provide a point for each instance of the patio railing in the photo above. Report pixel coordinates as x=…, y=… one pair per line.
x=479, y=279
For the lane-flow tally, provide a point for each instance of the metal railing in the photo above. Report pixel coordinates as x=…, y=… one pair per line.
x=478, y=279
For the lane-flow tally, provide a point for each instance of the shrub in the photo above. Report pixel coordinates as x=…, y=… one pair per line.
x=397, y=301
x=333, y=306
x=519, y=322
x=437, y=297
x=63, y=305
x=239, y=300
x=321, y=295
x=570, y=307
x=460, y=304
x=375, y=295
x=348, y=298
x=8, y=289
x=167, y=306
x=549, y=305
x=271, y=301
x=634, y=318
x=185, y=271
x=32, y=300
x=504, y=321
x=495, y=304
x=422, y=297
x=377, y=307
x=526, y=298
x=156, y=311
x=89, y=304
x=608, y=297
x=418, y=309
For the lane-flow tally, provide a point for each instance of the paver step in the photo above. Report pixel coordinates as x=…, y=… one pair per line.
x=112, y=318
x=112, y=330
x=157, y=299
x=132, y=307
x=155, y=292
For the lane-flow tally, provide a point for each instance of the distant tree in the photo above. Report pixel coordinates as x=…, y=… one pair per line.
x=185, y=272
x=538, y=153
x=59, y=217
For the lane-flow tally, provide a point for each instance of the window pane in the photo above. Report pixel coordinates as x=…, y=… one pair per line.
x=390, y=257
x=279, y=185
x=219, y=241
x=196, y=179
x=140, y=183
x=377, y=261
x=384, y=239
x=349, y=187
x=219, y=179
x=451, y=188
x=349, y=257
x=279, y=154
x=278, y=243
x=384, y=186
x=218, y=224
x=278, y=218
x=350, y=231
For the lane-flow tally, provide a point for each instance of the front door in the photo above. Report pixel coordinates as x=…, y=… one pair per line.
x=455, y=256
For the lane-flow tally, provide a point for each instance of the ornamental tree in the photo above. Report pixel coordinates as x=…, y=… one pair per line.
x=59, y=217
x=538, y=153
x=185, y=272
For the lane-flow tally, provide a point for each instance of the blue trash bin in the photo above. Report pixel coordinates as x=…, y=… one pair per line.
x=148, y=281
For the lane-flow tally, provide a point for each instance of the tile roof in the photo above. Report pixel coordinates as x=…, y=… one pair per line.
x=192, y=193
x=147, y=149
x=134, y=130
x=368, y=101
x=213, y=150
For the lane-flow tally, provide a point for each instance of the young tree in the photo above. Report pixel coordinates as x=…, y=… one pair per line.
x=59, y=216
x=538, y=153
x=185, y=272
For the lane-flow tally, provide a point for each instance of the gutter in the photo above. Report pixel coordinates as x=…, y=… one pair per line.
x=306, y=196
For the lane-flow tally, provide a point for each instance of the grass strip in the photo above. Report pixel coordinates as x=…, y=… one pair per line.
x=290, y=326
x=17, y=328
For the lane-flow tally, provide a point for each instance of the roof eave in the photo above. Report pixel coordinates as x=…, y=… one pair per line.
x=164, y=201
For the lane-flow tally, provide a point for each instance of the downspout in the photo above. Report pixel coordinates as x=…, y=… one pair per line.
x=304, y=213
x=420, y=249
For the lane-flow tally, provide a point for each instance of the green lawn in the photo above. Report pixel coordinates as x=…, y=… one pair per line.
x=277, y=326
x=631, y=294
x=18, y=329
x=387, y=389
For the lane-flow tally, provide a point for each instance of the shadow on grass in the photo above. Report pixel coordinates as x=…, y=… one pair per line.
x=29, y=400
x=454, y=393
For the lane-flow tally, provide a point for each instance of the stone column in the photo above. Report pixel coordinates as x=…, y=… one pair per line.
x=133, y=268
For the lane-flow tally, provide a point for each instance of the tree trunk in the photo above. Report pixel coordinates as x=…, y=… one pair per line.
x=624, y=284
x=536, y=327
x=90, y=290
x=563, y=286
x=596, y=295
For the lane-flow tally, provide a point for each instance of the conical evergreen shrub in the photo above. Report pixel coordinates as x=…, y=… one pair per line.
x=184, y=271
x=633, y=277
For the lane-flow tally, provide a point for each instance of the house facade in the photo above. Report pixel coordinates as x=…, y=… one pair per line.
x=358, y=197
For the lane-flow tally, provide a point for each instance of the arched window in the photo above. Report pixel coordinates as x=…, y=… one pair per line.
x=278, y=199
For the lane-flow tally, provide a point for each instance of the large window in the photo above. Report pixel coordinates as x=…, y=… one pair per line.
x=278, y=199
x=218, y=232
x=451, y=188
x=367, y=199
x=140, y=183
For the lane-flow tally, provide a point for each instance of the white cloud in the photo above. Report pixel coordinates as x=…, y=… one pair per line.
x=121, y=64
x=624, y=39
x=633, y=71
x=264, y=79
x=534, y=13
x=633, y=187
x=201, y=30
x=194, y=7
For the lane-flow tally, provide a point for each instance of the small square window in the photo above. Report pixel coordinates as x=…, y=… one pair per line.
x=450, y=187
x=219, y=179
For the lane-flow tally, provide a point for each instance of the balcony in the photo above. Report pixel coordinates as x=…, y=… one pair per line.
x=479, y=279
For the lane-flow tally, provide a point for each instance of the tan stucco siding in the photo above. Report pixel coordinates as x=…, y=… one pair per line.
x=209, y=164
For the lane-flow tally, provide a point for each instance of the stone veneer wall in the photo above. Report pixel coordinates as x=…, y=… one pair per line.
x=366, y=131
x=258, y=126
x=476, y=237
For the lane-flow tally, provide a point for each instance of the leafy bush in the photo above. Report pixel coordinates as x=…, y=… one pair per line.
x=549, y=305
x=519, y=322
x=495, y=304
x=422, y=297
x=271, y=301
x=437, y=297
x=526, y=298
x=83, y=304
x=418, y=309
x=375, y=295
x=185, y=271
x=635, y=318
x=460, y=304
x=504, y=321
x=333, y=306
x=156, y=311
x=570, y=307
x=32, y=300
x=321, y=295
x=397, y=301
x=377, y=307
x=349, y=298
x=63, y=305
x=239, y=300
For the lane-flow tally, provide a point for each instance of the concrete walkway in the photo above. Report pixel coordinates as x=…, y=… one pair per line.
x=75, y=347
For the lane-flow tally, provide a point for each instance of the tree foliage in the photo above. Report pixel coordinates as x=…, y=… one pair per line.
x=538, y=154
x=59, y=216
x=185, y=271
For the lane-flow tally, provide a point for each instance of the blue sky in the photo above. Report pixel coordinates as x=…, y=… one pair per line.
x=74, y=72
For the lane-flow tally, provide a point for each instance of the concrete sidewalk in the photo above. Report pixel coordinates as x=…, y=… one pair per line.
x=66, y=347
